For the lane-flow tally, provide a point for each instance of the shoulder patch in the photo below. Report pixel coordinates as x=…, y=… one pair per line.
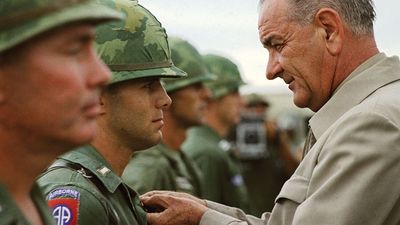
x=64, y=205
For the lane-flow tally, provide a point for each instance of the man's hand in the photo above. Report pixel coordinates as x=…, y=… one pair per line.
x=174, y=194
x=174, y=208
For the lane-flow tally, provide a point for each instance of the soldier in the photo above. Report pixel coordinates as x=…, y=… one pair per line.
x=84, y=186
x=206, y=144
x=50, y=79
x=165, y=166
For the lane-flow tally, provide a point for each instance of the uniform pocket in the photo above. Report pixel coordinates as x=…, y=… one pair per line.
x=295, y=189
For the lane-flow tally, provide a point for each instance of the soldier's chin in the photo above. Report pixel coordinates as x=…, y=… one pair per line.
x=150, y=142
x=65, y=144
x=159, y=139
x=86, y=136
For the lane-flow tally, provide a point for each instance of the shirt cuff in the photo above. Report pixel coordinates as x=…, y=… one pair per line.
x=214, y=217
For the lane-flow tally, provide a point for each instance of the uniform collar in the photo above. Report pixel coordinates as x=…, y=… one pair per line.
x=373, y=74
x=89, y=158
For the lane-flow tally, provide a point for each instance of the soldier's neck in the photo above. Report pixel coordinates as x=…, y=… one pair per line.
x=116, y=154
x=22, y=160
x=29, y=209
x=174, y=133
x=21, y=194
x=219, y=127
x=17, y=174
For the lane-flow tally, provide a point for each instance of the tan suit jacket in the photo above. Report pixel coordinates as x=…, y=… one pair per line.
x=351, y=174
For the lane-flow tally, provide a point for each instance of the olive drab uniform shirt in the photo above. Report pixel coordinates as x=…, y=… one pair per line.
x=81, y=188
x=223, y=181
x=10, y=214
x=162, y=168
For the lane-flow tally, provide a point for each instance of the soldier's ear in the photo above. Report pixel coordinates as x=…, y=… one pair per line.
x=332, y=28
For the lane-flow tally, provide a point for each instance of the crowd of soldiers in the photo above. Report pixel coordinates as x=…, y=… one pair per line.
x=106, y=119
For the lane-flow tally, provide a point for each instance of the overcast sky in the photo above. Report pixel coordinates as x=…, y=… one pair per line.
x=229, y=28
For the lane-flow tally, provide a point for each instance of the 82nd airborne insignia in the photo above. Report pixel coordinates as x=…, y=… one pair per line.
x=64, y=203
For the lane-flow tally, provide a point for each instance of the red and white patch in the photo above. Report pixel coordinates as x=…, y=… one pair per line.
x=64, y=206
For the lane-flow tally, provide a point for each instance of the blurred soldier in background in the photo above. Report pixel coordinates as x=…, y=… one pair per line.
x=264, y=152
x=165, y=166
x=50, y=80
x=206, y=144
x=84, y=186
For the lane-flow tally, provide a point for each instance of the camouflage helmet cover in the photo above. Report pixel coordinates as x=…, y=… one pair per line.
x=20, y=20
x=228, y=75
x=136, y=47
x=186, y=57
x=254, y=99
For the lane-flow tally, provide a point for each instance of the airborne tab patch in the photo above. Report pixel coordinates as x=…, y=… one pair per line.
x=64, y=204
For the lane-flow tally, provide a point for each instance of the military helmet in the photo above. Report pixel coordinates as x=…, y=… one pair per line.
x=254, y=99
x=186, y=57
x=228, y=75
x=136, y=47
x=21, y=20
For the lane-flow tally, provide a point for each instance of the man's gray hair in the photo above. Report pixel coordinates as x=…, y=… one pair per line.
x=359, y=15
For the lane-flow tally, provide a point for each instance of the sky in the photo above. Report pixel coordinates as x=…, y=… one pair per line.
x=229, y=28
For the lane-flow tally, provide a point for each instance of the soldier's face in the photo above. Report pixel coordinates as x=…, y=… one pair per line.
x=51, y=87
x=229, y=107
x=189, y=105
x=133, y=111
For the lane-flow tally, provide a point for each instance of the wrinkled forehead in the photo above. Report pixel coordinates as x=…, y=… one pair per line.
x=272, y=10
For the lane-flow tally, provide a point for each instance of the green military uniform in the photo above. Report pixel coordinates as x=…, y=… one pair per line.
x=263, y=192
x=81, y=186
x=11, y=215
x=162, y=168
x=223, y=180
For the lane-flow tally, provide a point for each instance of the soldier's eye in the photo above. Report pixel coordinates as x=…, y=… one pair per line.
x=150, y=84
x=74, y=51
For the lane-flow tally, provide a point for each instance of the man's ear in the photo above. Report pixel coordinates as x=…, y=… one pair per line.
x=333, y=29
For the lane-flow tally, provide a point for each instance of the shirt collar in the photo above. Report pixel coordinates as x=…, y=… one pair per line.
x=365, y=79
x=89, y=158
